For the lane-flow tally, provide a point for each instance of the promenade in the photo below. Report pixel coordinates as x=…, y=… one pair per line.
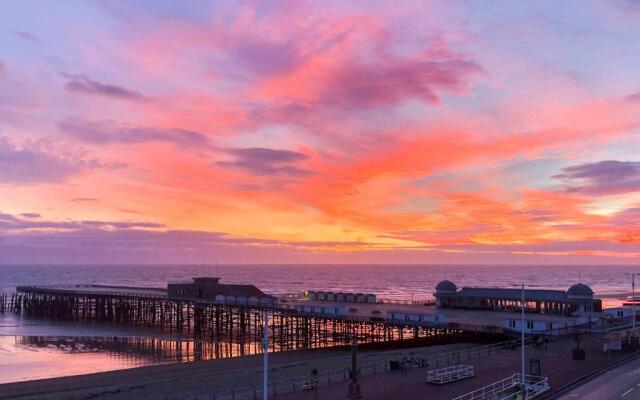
x=556, y=363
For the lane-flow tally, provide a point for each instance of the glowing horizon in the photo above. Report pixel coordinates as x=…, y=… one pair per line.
x=290, y=132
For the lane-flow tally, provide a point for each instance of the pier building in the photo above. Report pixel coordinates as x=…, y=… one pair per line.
x=413, y=317
x=210, y=288
x=341, y=297
x=577, y=299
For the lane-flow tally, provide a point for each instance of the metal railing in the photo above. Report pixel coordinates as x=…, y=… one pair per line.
x=513, y=387
x=450, y=374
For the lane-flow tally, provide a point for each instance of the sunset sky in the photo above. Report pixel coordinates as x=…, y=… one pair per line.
x=320, y=132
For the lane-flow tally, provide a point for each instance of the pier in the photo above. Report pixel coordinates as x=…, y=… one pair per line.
x=290, y=328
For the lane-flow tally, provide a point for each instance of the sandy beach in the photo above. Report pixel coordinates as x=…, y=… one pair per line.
x=201, y=378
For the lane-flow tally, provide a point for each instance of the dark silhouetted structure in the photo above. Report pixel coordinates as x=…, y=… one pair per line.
x=210, y=288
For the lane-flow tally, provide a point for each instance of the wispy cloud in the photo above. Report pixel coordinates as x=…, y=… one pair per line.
x=106, y=132
x=82, y=84
x=30, y=163
x=634, y=96
x=31, y=222
x=84, y=199
x=393, y=81
x=603, y=177
x=31, y=215
x=28, y=36
x=264, y=161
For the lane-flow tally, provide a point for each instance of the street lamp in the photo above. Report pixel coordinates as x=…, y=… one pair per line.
x=522, y=339
x=522, y=327
x=633, y=306
x=354, y=392
x=265, y=357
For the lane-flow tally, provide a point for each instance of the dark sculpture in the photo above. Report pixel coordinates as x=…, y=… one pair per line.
x=354, y=372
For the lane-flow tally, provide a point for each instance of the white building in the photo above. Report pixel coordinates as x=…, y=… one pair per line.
x=532, y=325
x=329, y=310
x=413, y=318
x=620, y=312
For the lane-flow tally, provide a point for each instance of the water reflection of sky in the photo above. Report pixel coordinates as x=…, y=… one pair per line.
x=32, y=348
x=39, y=357
x=21, y=362
x=16, y=325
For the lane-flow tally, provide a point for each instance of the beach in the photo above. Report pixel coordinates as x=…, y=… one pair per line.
x=199, y=379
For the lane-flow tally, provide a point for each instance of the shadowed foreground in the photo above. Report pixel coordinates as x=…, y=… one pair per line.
x=190, y=380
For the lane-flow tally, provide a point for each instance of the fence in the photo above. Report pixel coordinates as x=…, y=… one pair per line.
x=417, y=359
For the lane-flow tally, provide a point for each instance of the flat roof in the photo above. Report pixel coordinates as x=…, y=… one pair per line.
x=503, y=293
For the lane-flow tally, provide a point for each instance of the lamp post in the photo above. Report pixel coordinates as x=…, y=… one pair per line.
x=354, y=392
x=633, y=306
x=522, y=338
x=265, y=360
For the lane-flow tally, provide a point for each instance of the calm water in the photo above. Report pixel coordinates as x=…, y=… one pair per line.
x=34, y=349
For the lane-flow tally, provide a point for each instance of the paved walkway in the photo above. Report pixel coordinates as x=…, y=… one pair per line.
x=556, y=363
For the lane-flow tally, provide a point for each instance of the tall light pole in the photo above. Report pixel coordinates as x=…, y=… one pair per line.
x=633, y=306
x=354, y=392
x=524, y=389
x=522, y=338
x=265, y=360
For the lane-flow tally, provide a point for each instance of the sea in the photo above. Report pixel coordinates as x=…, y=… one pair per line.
x=37, y=349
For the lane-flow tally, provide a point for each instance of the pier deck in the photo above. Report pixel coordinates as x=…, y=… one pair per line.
x=469, y=319
x=241, y=323
x=96, y=289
